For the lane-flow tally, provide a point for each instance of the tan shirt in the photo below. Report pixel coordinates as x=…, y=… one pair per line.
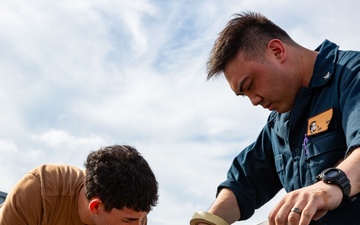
x=47, y=195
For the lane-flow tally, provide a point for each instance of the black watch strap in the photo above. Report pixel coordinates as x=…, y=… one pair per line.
x=337, y=177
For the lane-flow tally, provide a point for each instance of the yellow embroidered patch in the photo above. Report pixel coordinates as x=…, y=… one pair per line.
x=319, y=123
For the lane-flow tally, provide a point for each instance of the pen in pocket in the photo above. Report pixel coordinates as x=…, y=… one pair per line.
x=306, y=139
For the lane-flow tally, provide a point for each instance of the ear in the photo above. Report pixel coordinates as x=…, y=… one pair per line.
x=277, y=50
x=94, y=205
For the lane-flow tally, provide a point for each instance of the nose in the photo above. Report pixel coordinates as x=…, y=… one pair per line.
x=255, y=99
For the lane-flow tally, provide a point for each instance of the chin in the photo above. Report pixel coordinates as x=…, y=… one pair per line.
x=283, y=110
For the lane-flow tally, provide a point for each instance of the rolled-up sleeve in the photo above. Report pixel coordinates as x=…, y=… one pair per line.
x=252, y=176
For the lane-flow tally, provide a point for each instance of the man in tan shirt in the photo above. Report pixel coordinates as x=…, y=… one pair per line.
x=117, y=187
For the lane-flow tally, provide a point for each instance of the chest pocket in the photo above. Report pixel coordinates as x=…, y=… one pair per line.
x=323, y=151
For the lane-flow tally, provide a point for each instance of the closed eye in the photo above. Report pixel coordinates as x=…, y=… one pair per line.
x=129, y=220
x=244, y=88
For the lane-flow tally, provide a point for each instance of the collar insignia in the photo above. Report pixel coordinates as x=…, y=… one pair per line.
x=327, y=75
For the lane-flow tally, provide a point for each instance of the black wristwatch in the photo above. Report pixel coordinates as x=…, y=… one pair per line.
x=337, y=177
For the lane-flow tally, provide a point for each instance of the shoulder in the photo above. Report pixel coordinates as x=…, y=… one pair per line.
x=54, y=178
x=56, y=170
x=348, y=65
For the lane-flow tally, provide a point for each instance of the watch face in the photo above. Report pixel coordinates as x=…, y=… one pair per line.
x=332, y=173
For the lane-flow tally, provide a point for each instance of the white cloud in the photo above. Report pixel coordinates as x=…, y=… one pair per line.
x=7, y=146
x=57, y=138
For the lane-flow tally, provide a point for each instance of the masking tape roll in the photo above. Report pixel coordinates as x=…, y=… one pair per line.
x=208, y=218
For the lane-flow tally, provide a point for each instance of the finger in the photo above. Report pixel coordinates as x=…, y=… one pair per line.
x=308, y=213
x=294, y=216
x=274, y=212
x=275, y=217
x=281, y=217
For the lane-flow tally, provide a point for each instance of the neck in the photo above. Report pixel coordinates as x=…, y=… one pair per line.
x=306, y=63
x=83, y=209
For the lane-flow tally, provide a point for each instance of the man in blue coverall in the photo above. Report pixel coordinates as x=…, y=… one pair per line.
x=310, y=145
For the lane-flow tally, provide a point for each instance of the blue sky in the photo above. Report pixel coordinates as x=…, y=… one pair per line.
x=78, y=75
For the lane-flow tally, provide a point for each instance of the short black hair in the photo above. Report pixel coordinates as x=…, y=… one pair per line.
x=247, y=32
x=120, y=177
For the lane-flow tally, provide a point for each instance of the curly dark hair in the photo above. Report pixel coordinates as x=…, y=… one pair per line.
x=247, y=32
x=120, y=177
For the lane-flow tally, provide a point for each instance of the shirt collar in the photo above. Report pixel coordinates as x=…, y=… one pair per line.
x=325, y=64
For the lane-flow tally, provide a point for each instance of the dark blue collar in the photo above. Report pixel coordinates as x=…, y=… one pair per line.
x=325, y=64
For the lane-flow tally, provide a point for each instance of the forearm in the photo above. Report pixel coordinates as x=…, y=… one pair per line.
x=225, y=207
x=351, y=168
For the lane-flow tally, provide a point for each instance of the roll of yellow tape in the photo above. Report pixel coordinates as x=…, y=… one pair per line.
x=208, y=218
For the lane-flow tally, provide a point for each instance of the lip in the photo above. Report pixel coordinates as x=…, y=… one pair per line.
x=268, y=106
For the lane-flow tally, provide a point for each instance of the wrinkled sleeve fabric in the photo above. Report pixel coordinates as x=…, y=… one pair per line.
x=350, y=96
x=23, y=205
x=250, y=175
